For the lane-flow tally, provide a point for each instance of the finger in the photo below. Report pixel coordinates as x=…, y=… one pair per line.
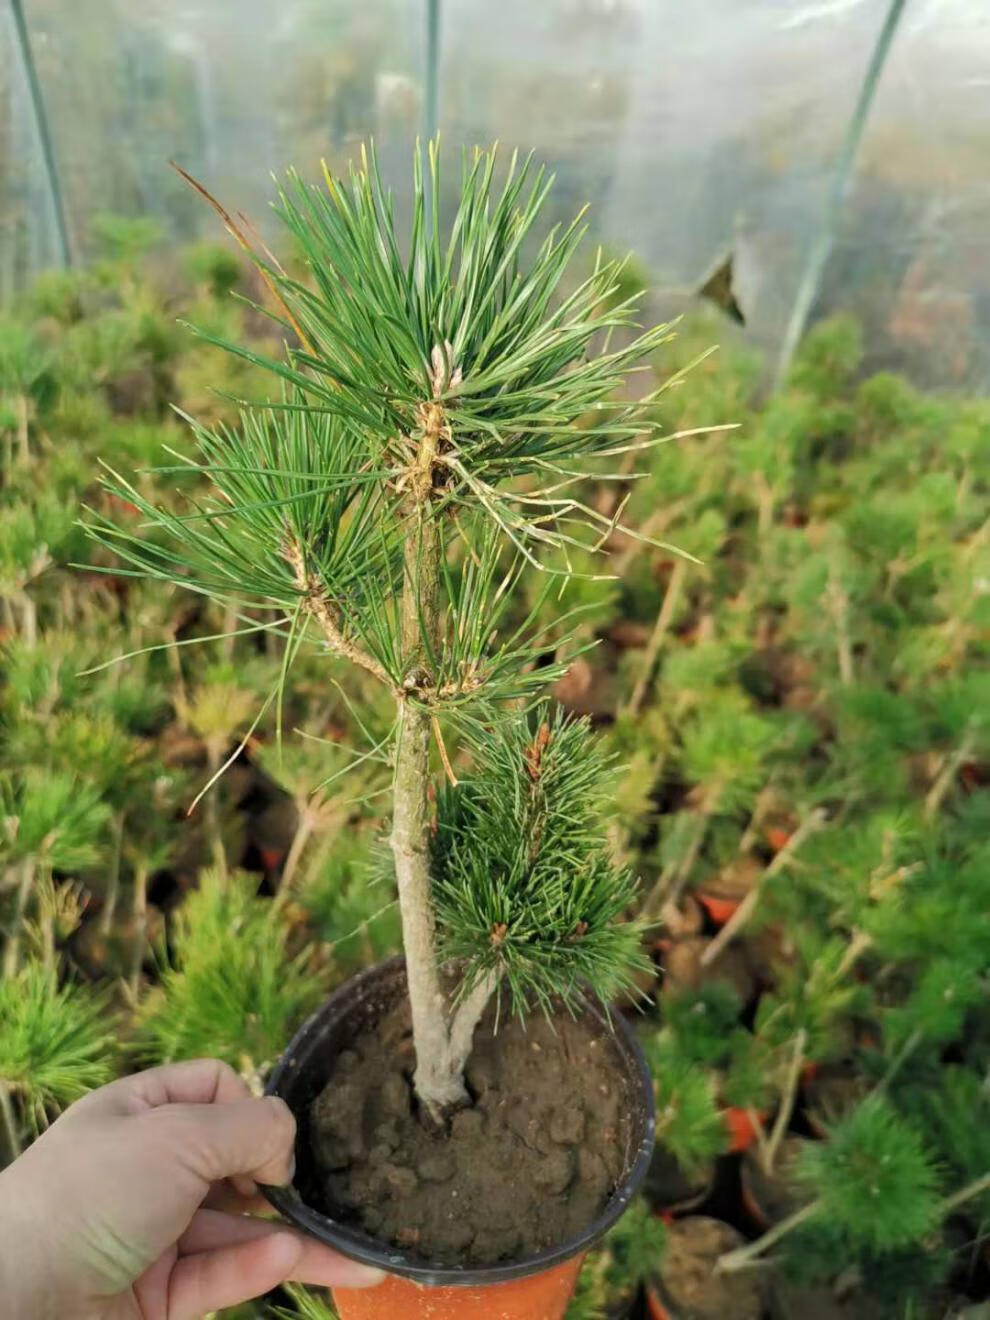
x=251, y=1137
x=225, y=1196
x=317, y=1264
x=244, y=1186
x=195, y=1082
x=227, y=1275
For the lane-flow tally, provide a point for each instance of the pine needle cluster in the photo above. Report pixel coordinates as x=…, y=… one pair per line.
x=524, y=879
x=232, y=989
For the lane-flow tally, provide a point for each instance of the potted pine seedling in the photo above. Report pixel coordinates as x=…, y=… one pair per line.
x=442, y=400
x=57, y=1043
x=690, y=1129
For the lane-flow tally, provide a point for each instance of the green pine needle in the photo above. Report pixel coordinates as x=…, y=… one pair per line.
x=58, y=1041
x=524, y=884
x=876, y=1182
x=233, y=990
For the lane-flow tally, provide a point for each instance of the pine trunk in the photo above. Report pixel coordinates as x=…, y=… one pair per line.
x=439, y=1079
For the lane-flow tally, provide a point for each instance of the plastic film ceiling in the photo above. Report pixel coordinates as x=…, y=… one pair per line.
x=693, y=129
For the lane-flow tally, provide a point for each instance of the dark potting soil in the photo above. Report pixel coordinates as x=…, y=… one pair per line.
x=775, y=1195
x=529, y=1164
x=688, y=1284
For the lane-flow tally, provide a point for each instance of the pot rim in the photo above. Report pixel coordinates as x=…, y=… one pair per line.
x=363, y=1247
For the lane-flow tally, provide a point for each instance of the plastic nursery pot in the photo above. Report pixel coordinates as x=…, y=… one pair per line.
x=722, y=894
x=535, y=1287
x=742, y=1128
x=671, y=1190
x=770, y=1197
x=687, y=1287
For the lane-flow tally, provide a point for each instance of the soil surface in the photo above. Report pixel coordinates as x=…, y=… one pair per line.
x=688, y=1286
x=684, y=970
x=531, y=1163
x=774, y=1195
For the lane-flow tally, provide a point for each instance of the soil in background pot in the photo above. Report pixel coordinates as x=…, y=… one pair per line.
x=531, y=1163
x=688, y=1288
x=672, y=1189
x=771, y=1197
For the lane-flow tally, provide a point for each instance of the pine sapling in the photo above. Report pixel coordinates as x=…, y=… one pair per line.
x=442, y=400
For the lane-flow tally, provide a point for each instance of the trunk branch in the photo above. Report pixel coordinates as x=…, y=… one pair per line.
x=323, y=612
x=304, y=831
x=946, y=776
x=671, y=600
x=140, y=911
x=439, y=1078
x=9, y=1121
x=113, y=884
x=12, y=953
x=787, y=1102
x=743, y=1256
x=467, y=1015
x=837, y=603
x=965, y=1194
x=23, y=429
x=748, y=906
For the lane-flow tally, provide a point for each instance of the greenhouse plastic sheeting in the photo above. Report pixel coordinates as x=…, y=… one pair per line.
x=694, y=130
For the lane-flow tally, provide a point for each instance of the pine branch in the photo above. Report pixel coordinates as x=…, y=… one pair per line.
x=744, y=912
x=319, y=606
x=947, y=774
x=664, y=619
x=788, y=1097
x=743, y=1257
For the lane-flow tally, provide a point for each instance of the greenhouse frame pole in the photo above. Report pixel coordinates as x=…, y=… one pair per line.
x=44, y=133
x=431, y=108
x=821, y=248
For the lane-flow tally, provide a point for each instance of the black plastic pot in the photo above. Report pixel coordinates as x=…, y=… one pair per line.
x=304, y=1069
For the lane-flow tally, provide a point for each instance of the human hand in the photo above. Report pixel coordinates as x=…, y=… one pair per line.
x=132, y=1205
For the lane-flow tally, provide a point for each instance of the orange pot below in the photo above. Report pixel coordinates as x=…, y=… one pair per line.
x=538, y=1297
x=742, y=1130
x=718, y=908
x=657, y=1309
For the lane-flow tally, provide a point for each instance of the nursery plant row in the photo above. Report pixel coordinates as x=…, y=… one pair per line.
x=768, y=685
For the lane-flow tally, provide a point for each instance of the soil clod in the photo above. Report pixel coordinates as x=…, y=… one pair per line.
x=530, y=1164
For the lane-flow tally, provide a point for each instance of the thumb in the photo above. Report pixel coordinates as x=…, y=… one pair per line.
x=253, y=1137
x=212, y=1280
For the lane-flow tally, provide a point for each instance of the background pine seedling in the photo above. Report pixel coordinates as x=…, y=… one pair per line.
x=232, y=988
x=57, y=1043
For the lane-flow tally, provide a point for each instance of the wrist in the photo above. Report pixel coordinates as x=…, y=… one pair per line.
x=26, y=1279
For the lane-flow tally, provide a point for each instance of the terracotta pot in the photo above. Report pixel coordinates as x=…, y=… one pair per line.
x=536, y=1287
x=538, y=1297
x=718, y=908
x=721, y=895
x=655, y=1306
x=742, y=1129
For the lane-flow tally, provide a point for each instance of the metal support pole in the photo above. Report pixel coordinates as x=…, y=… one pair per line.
x=431, y=107
x=44, y=133
x=821, y=249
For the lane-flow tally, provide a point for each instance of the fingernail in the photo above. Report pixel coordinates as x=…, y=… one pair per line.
x=280, y=1105
x=352, y=1275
